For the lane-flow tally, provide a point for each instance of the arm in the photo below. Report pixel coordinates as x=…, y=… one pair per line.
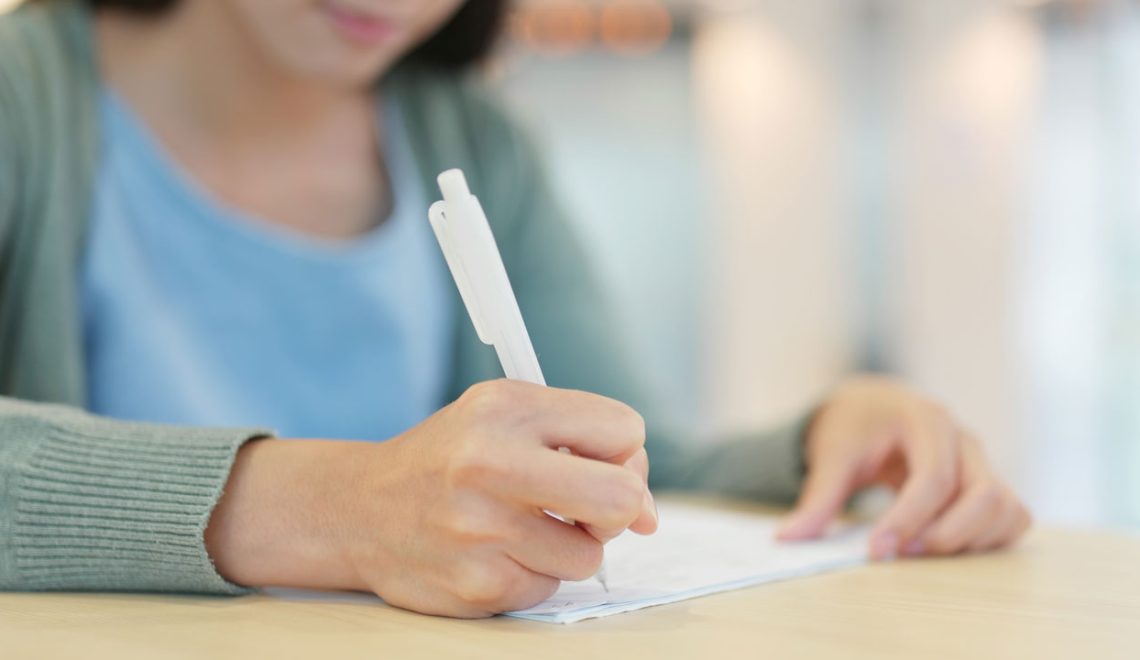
x=444, y=519
x=92, y=504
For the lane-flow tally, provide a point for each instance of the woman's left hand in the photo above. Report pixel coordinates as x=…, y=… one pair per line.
x=876, y=431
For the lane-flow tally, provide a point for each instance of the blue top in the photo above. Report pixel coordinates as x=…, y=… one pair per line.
x=197, y=314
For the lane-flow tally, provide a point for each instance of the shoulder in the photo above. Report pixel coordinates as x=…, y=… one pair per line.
x=46, y=65
x=461, y=121
x=44, y=41
x=462, y=110
x=48, y=90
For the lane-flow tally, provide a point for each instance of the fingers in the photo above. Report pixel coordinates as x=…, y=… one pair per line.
x=965, y=515
x=1007, y=531
x=985, y=516
x=829, y=484
x=474, y=585
x=933, y=462
x=646, y=523
x=600, y=483
x=483, y=588
x=639, y=464
x=528, y=590
x=608, y=497
x=962, y=523
x=599, y=428
x=594, y=426
x=880, y=432
x=588, y=424
x=551, y=547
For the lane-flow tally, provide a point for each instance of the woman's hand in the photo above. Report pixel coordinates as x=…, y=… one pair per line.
x=875, y=431
x=447, y=518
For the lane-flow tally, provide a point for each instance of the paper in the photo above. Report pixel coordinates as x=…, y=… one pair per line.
x=696, y=551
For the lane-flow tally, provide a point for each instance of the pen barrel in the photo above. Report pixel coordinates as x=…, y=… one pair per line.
x=497, y=305
x=519, y=365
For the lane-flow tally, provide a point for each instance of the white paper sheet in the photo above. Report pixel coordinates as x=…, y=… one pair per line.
x=697, y=551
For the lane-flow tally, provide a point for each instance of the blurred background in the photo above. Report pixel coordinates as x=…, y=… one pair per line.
x=786, y=191
x=783, y=192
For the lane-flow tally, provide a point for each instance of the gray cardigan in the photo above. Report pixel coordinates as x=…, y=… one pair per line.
x=88, y=503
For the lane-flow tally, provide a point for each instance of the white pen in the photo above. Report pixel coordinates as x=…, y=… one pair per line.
x=469, y=248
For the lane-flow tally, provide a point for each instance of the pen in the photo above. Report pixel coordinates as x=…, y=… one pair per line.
x=461, y=227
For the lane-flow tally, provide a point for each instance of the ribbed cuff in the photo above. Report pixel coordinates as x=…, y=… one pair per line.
x=767, y=466
x=114, y=506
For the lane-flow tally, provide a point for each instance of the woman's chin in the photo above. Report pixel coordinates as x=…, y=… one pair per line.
x=347, y=68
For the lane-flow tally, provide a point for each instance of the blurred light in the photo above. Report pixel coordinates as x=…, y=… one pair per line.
x=566, y=27
x=561, y=27
x=8, y=5
x=635, y=27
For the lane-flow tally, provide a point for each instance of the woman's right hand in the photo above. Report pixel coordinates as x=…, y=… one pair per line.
x=448, y=518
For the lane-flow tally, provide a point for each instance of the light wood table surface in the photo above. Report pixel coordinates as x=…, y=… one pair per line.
x=1059, y=595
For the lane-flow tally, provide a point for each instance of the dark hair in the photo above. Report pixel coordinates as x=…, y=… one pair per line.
x=466, y=39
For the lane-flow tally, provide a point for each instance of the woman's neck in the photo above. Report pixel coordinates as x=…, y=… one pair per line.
x=195, y=66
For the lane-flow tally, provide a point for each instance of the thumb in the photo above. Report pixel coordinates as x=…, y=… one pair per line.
x=828, y=485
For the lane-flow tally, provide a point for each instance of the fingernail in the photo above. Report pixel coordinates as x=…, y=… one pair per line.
x=915, y=548
x=885, y=546
x=651, y=504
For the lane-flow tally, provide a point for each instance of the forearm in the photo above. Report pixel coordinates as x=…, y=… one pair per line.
x=88, y=503
x=765, y=466
x=282, y=519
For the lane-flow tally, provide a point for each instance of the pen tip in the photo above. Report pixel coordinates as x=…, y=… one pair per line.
x=601, y=576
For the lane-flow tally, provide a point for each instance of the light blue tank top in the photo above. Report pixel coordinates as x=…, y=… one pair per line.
x=196, y=314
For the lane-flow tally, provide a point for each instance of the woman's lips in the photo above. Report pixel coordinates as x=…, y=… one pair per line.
x=360, y=28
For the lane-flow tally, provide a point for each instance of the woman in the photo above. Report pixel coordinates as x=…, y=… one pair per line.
x=212, y=225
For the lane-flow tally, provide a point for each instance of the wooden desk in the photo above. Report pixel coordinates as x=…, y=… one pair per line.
x=1060, y=595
